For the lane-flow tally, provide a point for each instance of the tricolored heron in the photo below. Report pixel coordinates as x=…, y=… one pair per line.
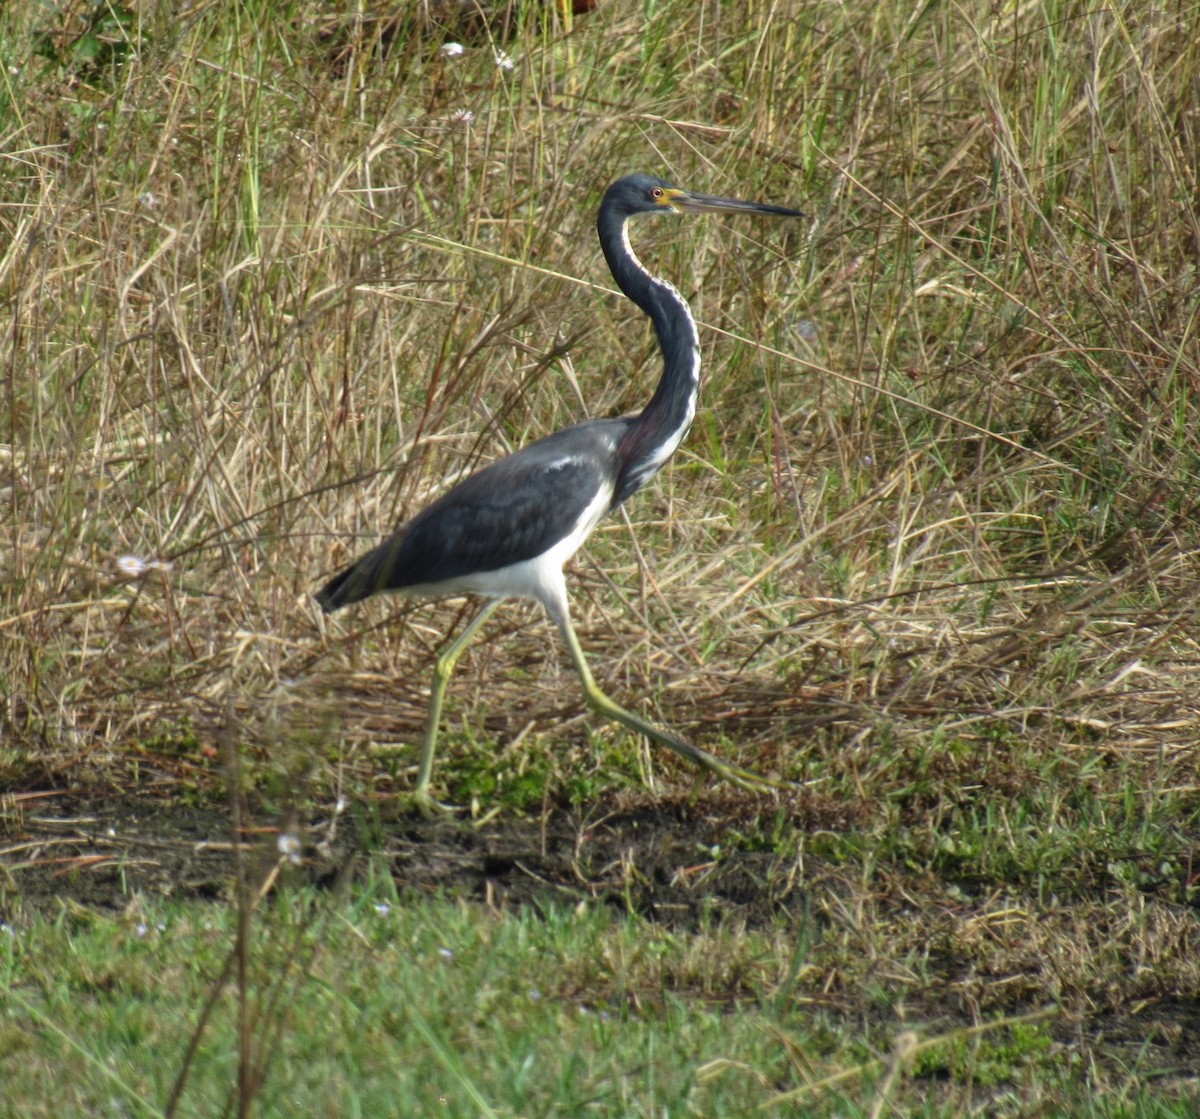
x=508, y=529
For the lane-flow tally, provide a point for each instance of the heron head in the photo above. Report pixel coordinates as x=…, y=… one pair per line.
x=642, y=194
x=648, y=194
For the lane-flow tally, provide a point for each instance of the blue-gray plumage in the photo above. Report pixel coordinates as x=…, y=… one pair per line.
x=508, y=512
x=509, y=528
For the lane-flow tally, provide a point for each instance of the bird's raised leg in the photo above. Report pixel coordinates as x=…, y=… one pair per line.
x=443, y=668
x=600, y=702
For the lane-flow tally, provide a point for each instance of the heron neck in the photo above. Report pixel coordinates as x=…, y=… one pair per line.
x=658, y=429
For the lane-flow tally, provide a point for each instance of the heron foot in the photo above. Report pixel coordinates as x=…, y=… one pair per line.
x=429, y=807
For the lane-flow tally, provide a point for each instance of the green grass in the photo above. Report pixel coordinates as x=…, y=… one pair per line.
x=378, y=1005
x=272, y=274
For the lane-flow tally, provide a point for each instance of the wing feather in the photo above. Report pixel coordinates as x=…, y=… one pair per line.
x=513, y=510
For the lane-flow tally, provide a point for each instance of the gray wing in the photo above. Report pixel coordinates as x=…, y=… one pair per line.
x=513, y=510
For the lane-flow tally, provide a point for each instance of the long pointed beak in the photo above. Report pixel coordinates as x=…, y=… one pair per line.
x=711, y=204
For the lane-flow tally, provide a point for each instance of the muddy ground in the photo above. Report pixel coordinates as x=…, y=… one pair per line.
x=671, y=861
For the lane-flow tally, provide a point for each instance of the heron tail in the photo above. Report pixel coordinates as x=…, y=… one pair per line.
x=339, y=591
x=377, y=571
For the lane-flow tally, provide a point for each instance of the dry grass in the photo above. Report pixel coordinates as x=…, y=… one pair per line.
x=273, y=276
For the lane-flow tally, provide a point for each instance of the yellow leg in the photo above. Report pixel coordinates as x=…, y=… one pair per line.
x=443, y=668
x=604, y=705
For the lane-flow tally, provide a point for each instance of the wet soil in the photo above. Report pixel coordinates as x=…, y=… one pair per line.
x=672, y=861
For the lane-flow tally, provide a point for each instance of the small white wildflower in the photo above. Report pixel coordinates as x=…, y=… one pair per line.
x=453, y=50
x=135, y=566
x=462, y=116
x=445, y=953
x=142, y=929
x=148, y=199
x=289, y=847
x=504, y=60
x=383, y=909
